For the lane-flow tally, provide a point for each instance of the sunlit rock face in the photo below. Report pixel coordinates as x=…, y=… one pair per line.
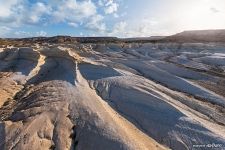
x=112, y=95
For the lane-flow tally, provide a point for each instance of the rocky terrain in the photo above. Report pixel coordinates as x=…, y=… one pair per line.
x=108, y=93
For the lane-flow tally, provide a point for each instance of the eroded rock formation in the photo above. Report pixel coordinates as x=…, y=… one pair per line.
x=112, y=96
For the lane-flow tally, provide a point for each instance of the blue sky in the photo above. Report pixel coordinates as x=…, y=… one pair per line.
x=122, y=18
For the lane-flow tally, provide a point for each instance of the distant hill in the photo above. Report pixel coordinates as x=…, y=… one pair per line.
x=69, y=39
x=143, y=39
x=198, y=36
x=194, y=36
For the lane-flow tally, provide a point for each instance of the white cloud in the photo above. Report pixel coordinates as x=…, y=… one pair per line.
x=4, y=31
x=145, y=27
x=21, y=34
x=41, y=33
x=6, y=7
x=72, y=24
x=20, y=12
x=111, y=7
x=100, y=3
x=214, y=10
x=37, y=12
x=95, y=23
x=80, y=12
x=88, y=14
x=116, y=15
x=10, y=11
x=120, y=27
x=74, y=11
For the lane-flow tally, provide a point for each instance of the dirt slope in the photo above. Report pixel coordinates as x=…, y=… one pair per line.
x=51, y=106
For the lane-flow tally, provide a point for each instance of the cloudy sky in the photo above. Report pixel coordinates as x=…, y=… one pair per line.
x=122, y=18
